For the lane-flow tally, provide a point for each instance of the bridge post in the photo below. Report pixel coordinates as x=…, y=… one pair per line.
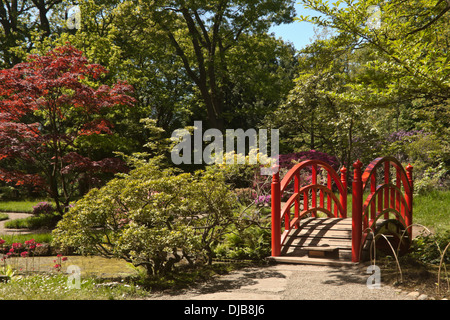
x=409, y=198
x=276, y=213
x=343, y=196
x=357, y=197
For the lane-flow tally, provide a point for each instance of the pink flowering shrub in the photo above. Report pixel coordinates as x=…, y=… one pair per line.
x=43, y=208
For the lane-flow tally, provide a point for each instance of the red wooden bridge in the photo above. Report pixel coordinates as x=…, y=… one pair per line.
x=309, y=212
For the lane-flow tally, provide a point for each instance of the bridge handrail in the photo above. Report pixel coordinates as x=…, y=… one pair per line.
x=395, y=200
x=278, y=188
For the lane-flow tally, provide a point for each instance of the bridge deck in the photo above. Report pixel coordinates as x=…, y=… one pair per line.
x=325, y=241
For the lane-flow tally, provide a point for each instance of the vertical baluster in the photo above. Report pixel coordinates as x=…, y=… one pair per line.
x=409, y=198
x=380, y=201
x=356, y=211
x=329, y=186
x=343, y=194
x=373, y=186
x=276, y=214
x=386, y=191
x=392, y=200
x=297, y=200
x=313, y=190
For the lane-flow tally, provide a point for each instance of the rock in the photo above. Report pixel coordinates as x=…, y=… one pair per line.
x=422, y=297
x=414, y=294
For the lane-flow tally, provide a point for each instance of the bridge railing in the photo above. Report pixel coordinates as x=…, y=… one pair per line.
x=385, y=197
x=307, y=198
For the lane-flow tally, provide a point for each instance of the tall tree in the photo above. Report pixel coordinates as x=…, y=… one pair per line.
x=399, y=71
x=46, y=105
x=20, y=20
x=410, y=42
x=312, y=118
x=192, y=45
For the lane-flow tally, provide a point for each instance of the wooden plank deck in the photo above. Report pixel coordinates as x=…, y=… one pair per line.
x=331, y=236
x=328, y=241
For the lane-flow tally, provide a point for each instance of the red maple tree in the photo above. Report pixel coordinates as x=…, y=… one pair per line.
x=46, y=103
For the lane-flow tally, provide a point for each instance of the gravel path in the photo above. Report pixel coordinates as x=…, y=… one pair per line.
x=12, y=216
x=291, y=282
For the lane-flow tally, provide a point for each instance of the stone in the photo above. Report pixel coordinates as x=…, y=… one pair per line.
x=414, y=294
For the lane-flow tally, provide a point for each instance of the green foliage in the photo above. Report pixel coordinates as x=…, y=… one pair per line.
x=185, y=59
x=427, y=153
x=44, y=221
x=55, y=287
x=18, y=206
x=38, y=237
x=248, y=243
x=408, y=45
x=430, y=248
x=432, y=210
x=314, y=118
x=151, y=217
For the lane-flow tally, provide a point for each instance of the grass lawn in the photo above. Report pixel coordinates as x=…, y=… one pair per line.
x=18, y=206
x=38, y=237
x=433, y=210
x=100, y=279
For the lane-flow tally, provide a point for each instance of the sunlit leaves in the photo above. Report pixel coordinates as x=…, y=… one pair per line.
x=45, y=106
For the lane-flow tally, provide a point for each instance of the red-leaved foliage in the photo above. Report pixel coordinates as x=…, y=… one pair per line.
x=45, y=104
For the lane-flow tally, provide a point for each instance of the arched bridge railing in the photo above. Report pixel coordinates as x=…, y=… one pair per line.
x=387, y=194
x=306, y=199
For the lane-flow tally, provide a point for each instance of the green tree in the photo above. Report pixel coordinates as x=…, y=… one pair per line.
x=185, y=57
x=313, y=118
x=23, y=21
x=409, y=48
x=400, y=63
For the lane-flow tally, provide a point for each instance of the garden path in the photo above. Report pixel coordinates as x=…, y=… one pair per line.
x=291, y=282
x=12, y=216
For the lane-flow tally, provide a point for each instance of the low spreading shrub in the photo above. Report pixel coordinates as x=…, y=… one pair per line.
x=43, y=208
x=429, y=248
x=151, y=217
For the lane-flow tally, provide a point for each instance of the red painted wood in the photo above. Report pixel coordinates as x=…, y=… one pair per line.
x=409, y=197
x=356, y=211
x=314, y=192
x=343, y=194
x=276, y=223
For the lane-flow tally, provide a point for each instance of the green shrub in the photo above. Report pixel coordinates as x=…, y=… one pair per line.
x=429, y=248
x=250, y=243
x=150, y=217
x=46, y=221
